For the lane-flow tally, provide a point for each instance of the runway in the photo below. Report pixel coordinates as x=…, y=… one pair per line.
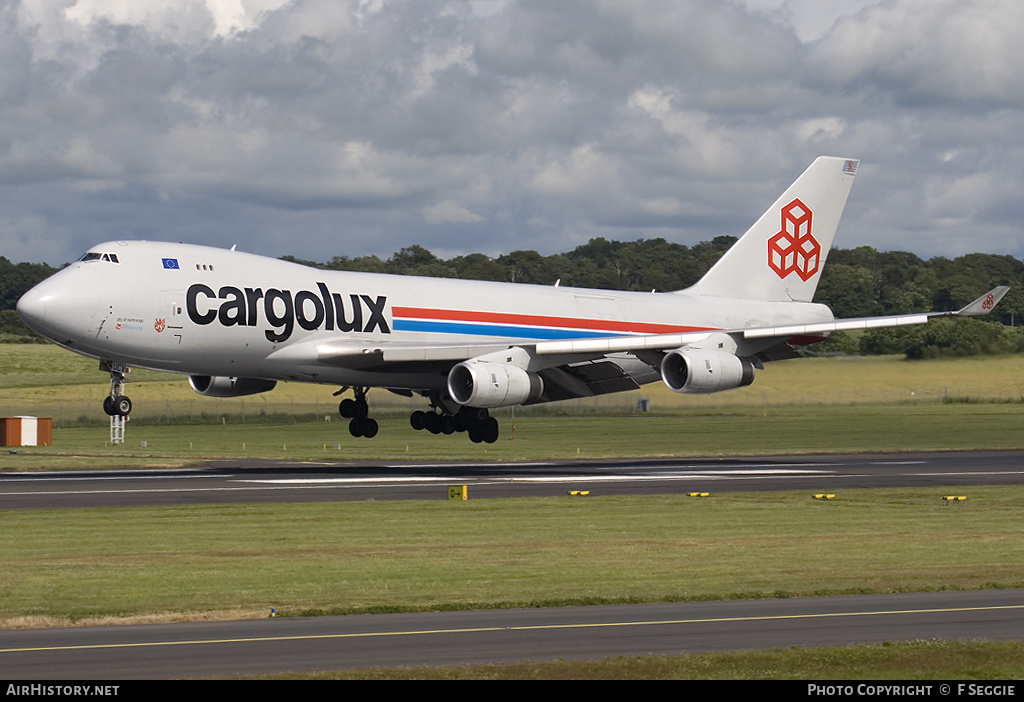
x=501, y=636
x=265, y=481
x=277, y=645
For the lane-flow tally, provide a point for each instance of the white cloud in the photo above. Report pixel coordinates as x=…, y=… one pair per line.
x=449, y=212
x=326, y=127
x=174, y=20
x=931, y=50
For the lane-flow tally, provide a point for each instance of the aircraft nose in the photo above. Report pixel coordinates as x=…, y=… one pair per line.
x=59, y=308
x=32, y=308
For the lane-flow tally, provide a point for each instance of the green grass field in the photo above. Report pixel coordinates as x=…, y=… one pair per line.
x=712, y=432
x=800, y=406
x=158, y=564
x=48, y=381
x=894, y=661
x=241, y=560
x=891, y=661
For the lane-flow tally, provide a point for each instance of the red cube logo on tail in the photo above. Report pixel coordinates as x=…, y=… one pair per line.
x=793, y=249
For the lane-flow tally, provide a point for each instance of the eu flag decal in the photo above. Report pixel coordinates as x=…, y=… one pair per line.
x=171, y=263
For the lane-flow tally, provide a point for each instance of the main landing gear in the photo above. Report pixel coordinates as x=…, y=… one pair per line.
x=357, y=412
x=440, y=419
x=476, y=421
x=116, y=404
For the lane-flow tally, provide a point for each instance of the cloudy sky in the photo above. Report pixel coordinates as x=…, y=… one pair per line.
x=320, y=128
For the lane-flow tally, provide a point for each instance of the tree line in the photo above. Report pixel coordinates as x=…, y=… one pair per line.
x=857, y=282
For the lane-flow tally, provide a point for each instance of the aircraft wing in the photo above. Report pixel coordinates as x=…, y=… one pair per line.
x=589, y=360
x=982, y=306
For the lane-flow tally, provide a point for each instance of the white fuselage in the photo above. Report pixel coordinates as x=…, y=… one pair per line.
x=201, y=310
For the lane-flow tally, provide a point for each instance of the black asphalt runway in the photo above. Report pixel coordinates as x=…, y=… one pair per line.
x=255, y=481
x=277, y=645
x=496, y=636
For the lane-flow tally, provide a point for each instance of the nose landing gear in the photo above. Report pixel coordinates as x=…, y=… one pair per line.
x=116, y=404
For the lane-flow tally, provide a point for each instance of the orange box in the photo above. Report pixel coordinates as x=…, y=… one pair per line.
x=27, y=431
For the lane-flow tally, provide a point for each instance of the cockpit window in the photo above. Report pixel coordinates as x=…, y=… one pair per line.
x=93, y=256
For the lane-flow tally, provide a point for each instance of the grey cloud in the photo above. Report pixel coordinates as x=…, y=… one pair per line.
x=926, y=52
x=320, y=128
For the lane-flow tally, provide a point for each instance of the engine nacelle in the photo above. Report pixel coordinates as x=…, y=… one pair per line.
x=701, y=372
x=223, y=386
x=482, y=384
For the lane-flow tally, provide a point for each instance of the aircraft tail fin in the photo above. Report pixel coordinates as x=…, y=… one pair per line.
x=780, y=258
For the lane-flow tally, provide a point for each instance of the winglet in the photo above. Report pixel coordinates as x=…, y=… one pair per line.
x=984, y=304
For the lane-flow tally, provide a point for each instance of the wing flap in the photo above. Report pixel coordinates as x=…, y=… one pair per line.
x=619, y=344
x=347, y=353
x=820, y=328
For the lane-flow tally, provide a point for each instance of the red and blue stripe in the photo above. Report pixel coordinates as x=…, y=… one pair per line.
x=521, y=326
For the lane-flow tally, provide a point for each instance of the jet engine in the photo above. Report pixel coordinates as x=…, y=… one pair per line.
x=701, y=372
x=222, y=386
x=482, y=384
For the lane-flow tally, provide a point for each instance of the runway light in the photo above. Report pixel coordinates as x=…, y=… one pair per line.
x=954, y=498
x=580, y=493
x=823, y=496
x=697, y=494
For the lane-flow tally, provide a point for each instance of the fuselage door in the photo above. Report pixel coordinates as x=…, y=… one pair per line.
x=170, y=317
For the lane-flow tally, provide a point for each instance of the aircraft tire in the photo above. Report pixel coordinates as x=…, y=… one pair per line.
x=474, y=415
x=108, y=406
x=363, y=426
x=432, y=422
x=369, y=427
x=416, y=420
x=122, y=406
x=489, y=430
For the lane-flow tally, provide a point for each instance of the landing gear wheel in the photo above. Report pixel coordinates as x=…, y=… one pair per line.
x=416, y=420
x=353, y=409
x=486, y=431
x=445, y=418
x=432, y=422
x=120, y=405
x=357, y=411
x=115, y=403
x=123, y=405
x=489, y=430
x=363, y=426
